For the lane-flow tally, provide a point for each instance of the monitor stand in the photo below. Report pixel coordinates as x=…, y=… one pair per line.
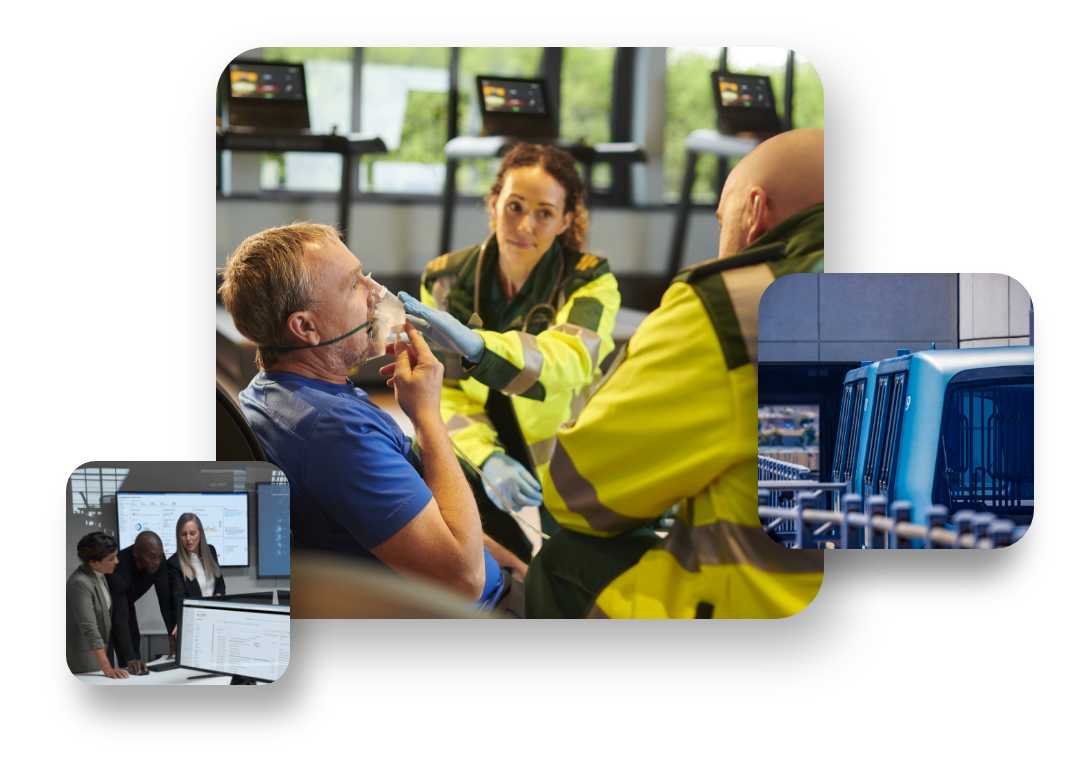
x=236, y=679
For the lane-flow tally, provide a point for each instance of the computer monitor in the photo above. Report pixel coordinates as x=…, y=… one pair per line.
x=252, y=598
x=283, y=597
x=515, y=108
x=224, y=517
x=274, y=530
x=232, y=639
x=744, y=104
x=267, y=96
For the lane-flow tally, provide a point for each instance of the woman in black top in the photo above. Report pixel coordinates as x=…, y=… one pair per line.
x=194, y=570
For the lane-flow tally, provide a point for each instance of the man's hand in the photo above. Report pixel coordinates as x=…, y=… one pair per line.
x=137, y=668
x=444, y=329
x=417, y=377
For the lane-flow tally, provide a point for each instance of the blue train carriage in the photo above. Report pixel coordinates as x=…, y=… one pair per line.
x=947, y=427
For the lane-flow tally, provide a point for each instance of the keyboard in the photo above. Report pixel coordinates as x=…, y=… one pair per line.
x=165, y=666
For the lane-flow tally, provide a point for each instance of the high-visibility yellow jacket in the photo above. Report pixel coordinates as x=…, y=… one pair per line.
x=542, y=349
x=675, y=421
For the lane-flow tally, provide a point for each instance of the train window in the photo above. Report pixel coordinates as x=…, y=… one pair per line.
x=876, y=433
x=986, y=451
x=855, y=428
x=892, y=430
x=841, y=434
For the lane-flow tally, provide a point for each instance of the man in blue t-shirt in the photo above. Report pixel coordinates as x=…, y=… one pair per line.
x=358, y=489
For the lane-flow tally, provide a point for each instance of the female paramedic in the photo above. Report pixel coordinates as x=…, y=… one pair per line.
x=525, y=319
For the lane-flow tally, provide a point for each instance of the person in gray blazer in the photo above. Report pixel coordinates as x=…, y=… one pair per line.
x=89, y=607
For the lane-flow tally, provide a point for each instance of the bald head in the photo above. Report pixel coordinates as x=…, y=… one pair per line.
x=779, y=178
x=148, y=552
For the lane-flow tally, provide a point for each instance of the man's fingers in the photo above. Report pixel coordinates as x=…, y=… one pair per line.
x=421, y=349
x=389, y=369
x=402, y=364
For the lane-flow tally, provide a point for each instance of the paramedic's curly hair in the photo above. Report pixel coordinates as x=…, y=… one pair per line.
x=266, y=279
x=562, y=167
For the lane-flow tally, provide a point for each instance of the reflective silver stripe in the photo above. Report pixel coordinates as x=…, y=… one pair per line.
x=541, y=451
x=458, y=422
x=595, y=612
x=580, y=496
x=441, y=289
x=745, y=286
x=722, y=543
x=452, y=365
x=534, y=364
x=590, y=339
x=580, y=399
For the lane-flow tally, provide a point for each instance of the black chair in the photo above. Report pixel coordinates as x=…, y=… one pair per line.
x=234, y=439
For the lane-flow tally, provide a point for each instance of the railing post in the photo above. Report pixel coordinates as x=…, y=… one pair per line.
x=937, y=519
x=850, y=533
x=804, y=533
x=963, y=523
x=981, y=527
x=876, y=505
x=902, y=512
x=1001, y=532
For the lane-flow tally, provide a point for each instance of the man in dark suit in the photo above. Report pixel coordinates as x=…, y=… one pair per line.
x=140, y=567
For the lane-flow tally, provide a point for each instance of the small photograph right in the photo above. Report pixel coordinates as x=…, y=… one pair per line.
x=896, y=411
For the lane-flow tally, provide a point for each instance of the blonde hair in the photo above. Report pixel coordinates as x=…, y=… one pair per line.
x=266, y=279
x=210, y=565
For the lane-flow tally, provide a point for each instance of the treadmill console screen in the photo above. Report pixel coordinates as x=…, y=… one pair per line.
x=262, y=81
x=745, y=91
x=502, y=96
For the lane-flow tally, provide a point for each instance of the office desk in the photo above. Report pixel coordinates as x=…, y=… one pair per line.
x=177, y=676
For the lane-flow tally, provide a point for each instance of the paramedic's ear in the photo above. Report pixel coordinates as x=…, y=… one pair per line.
x=758, y=213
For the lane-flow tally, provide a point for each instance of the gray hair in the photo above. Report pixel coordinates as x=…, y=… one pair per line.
x=266, y=279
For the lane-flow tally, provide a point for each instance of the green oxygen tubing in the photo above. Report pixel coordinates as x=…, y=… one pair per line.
x=321, y=344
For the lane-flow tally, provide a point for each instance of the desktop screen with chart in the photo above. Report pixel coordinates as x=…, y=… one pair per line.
x=224, y=517
x=234, y=639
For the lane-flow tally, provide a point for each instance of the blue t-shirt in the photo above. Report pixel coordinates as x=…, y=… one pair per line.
x=354, y=479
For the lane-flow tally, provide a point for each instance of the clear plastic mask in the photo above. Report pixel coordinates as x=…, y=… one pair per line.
x=388, y=317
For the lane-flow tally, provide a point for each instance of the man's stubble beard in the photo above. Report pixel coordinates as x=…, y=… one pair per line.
x=344, y=358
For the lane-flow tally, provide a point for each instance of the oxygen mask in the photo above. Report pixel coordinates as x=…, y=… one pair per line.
x=387, y=317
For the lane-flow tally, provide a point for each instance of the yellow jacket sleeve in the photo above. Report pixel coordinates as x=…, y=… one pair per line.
x=561, y=359
x=663, y=424
x=464, y=414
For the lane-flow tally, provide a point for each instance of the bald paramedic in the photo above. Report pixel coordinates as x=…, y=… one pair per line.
x=358, y=488
x=675, y=422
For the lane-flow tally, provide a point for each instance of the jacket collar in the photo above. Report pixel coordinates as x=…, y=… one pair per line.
x=798, y=235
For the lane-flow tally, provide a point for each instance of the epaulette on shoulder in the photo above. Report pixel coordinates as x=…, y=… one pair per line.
x=584, y=265
x=450, y=263
x=713, y=266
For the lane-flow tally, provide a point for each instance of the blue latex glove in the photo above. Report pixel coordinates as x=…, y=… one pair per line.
x=517, y=485
x=444, y=329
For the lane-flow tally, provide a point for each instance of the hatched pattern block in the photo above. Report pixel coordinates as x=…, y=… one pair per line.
x=107, y=309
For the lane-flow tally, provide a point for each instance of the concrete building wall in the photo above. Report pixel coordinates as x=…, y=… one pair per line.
x=856, y=317
x=993, y=311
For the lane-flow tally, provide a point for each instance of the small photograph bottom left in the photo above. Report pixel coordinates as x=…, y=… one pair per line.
x=177, y=573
